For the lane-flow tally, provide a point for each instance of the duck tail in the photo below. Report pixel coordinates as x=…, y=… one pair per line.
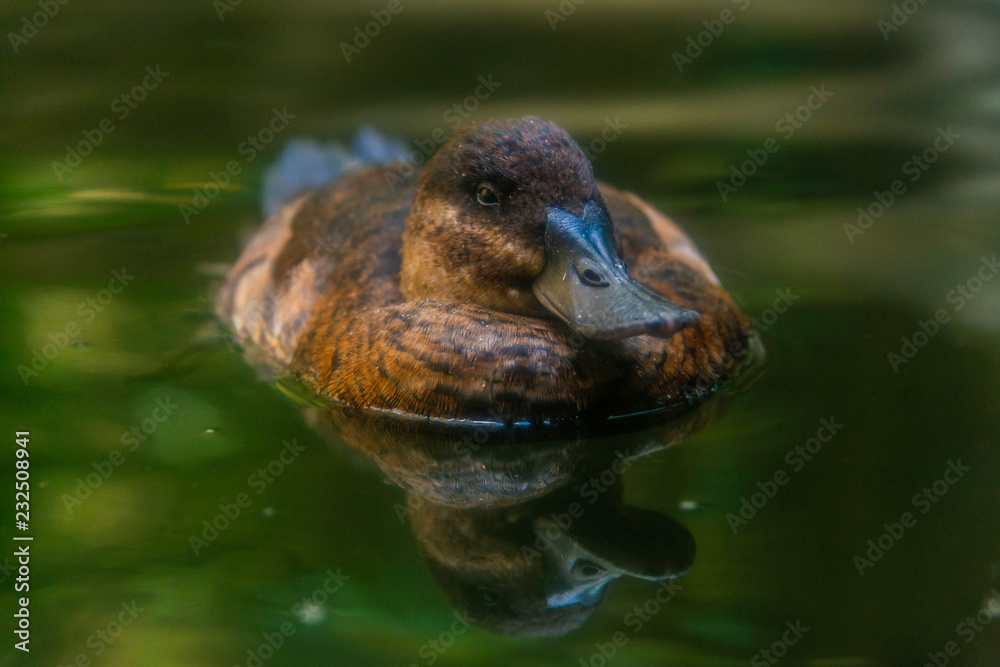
x=305, y=164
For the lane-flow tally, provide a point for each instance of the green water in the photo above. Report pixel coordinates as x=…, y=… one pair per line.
x=122, y=552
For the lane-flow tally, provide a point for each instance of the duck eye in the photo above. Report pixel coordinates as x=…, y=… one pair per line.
x=587, y=569
x=593, y=278
x=486, y=195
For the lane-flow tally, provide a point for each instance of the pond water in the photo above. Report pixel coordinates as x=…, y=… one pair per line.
x=843, y=505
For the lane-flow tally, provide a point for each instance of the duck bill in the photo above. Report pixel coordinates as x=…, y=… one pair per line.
x=608, y=542
x=586, y=284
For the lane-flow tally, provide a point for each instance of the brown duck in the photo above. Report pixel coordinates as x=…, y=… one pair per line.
x=494, y=285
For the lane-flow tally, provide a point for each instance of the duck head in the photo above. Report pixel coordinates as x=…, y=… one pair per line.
x=508, y=216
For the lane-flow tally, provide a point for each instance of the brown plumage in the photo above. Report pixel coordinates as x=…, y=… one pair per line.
x=415, y=296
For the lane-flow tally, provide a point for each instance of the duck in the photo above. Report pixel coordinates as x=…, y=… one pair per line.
x=501, y=283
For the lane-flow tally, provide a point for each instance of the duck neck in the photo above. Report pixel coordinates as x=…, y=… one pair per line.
x=439, y=263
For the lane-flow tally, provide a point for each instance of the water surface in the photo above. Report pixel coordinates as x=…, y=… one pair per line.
x=122, y=551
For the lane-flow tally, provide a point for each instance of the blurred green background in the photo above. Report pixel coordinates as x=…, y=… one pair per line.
x=223, y=70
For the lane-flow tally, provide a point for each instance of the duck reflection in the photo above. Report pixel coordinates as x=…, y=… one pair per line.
x=490, y=464
x=524, y=530
x=542, y=567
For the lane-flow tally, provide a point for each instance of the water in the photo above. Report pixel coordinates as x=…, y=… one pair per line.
x=121, y=553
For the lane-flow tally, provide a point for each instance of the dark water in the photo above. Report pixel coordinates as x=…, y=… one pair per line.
x=121, y=553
